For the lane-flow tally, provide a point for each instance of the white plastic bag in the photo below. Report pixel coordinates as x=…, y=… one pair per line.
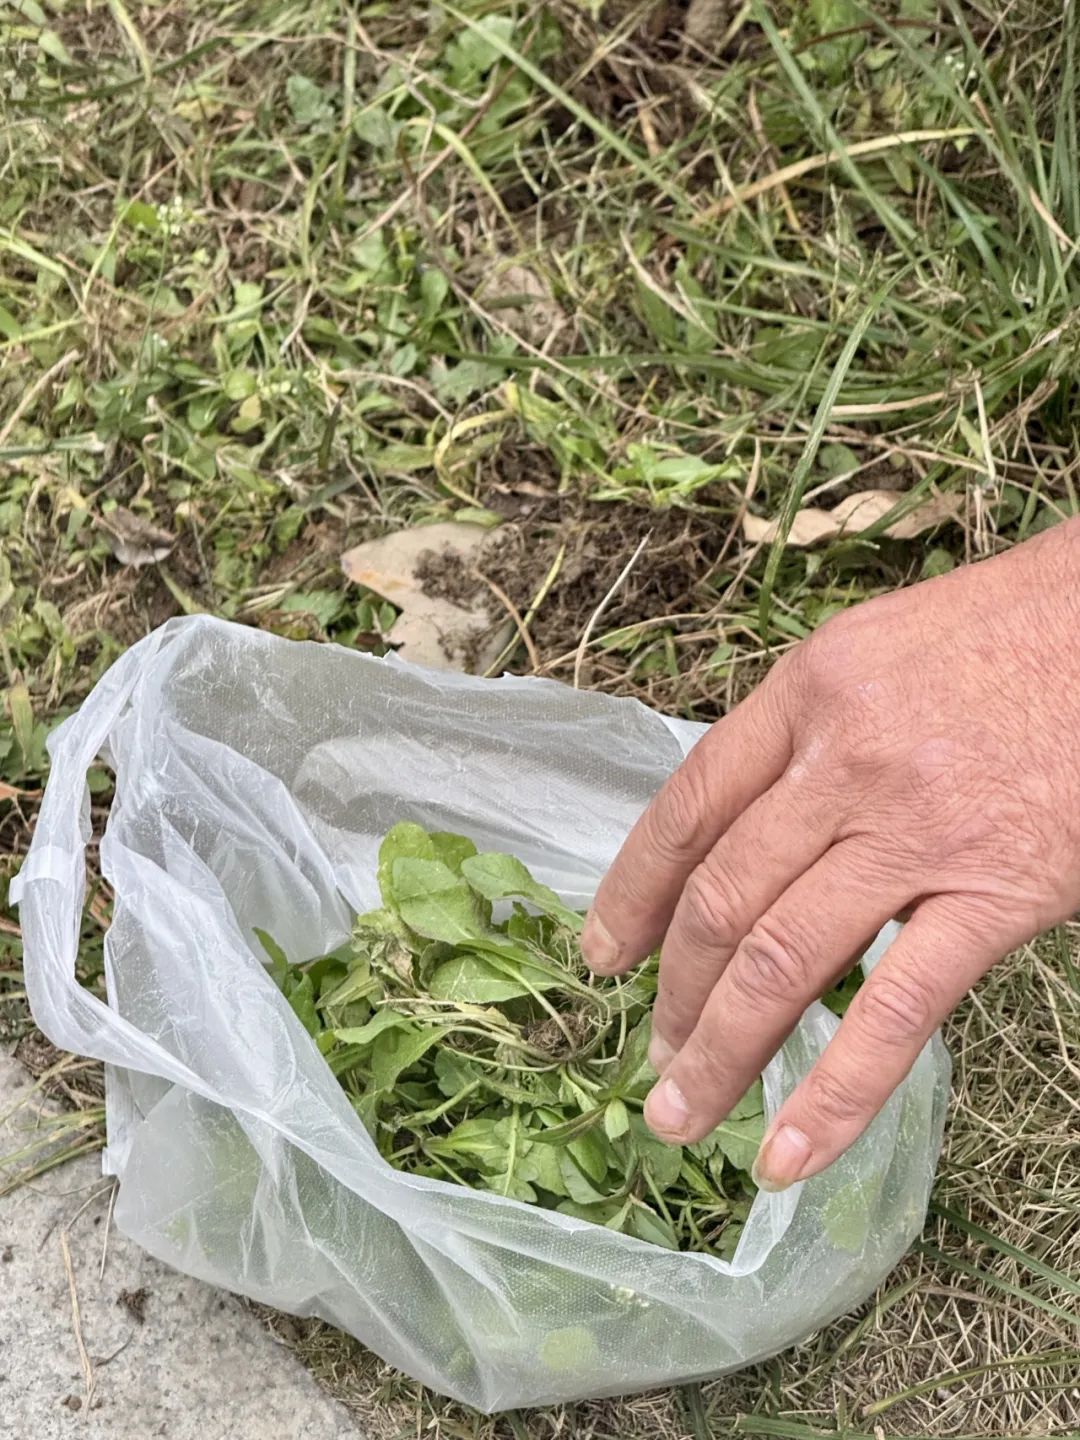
x=254, y=779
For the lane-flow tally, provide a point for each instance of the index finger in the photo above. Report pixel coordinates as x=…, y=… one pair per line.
x=734, y=763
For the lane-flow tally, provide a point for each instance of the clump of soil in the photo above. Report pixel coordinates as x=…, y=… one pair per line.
x=669, y=597
x=134, y=1302
x=447, y=575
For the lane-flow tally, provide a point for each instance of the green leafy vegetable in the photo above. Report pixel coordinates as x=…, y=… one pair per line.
x=480, y=1051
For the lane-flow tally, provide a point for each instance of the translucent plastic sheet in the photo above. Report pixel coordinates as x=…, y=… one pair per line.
x=254, y=779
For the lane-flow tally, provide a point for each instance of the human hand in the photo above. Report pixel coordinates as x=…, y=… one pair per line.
x=919, y=753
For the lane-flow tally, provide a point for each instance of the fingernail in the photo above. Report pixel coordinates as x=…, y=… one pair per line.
x=666, y=1110
x=782, y=1159
x=599, y=947
x=661, y=1053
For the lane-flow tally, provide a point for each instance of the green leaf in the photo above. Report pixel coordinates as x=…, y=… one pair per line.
x=752, y=1103
x=30, y=10
x=500, y=877
x=324, y=605
x=592, y=1153
x=308, y=102
x=740, y=1139
x=302, y=999
x=279, y=963
x=937, y=562
x=453, y=1072
x=602, y=1212
x=142, y=216
x=407, y=841
x=51, y=44
x=540, y=1167
x=472, y=52
x=385, y=1019
x=354, y=986
x=569, y=1350
x=663, y=1162
x=570, y=1129
x=616, y=1119
x=841, y=995
x=452, y=850
x=435, y=902
x=434, y=288
x=634, y=1064
x=578, y=1186
x=471, y=980
x=647, y=1225
x=848, y=1213
x=481, y=1139
x=397, y=1049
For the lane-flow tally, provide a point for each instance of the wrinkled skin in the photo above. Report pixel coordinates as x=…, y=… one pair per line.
x=919, y=755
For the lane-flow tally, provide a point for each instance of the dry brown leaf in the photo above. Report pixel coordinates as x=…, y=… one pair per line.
x=134, y=540
x=705, y=22
x=853, y=515
x=431, y=630
x=525, y=301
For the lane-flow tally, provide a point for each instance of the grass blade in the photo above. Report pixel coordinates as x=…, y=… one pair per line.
x=1013, y=1252
x=801, y=475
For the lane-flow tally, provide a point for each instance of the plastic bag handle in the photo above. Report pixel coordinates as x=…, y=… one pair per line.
x=50, y=888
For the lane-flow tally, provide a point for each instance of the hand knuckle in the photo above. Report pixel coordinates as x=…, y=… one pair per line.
x=833, y=1098
x=769, y=962
x=896, y=1009
x=677, y=816
x=826, y=657
x=708, y=910
x=705, y=1067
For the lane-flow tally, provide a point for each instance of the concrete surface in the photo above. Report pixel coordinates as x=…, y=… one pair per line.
x=196, y=1366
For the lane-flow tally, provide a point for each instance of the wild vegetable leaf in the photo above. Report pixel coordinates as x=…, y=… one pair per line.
x=356, y=985
x=384, y=1019
x=399, y=843
x=647, y=1225
x=752, y=1103
x=500, y=877
x=571, y=1349
x=482, y=1053
x=483, y=1139
x=452, y=850
x=739, y=1139
x=634, y=1064
x=343, y=1059
x=848, y=1213
x=407, y=841
x=540, y=1166
x=453, y=1072
x=301, y=996
x=592, y=1153
x=841, y=995
x=473, y=980
x=279, y=964
x=616, y=1119
x=559, y=1134
x=603, y=1212
x=396, y=1050
x=435, y=902
x=578, y=1185
x=663, y=1162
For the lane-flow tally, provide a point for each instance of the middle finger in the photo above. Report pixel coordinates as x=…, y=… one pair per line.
x=764, y=851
